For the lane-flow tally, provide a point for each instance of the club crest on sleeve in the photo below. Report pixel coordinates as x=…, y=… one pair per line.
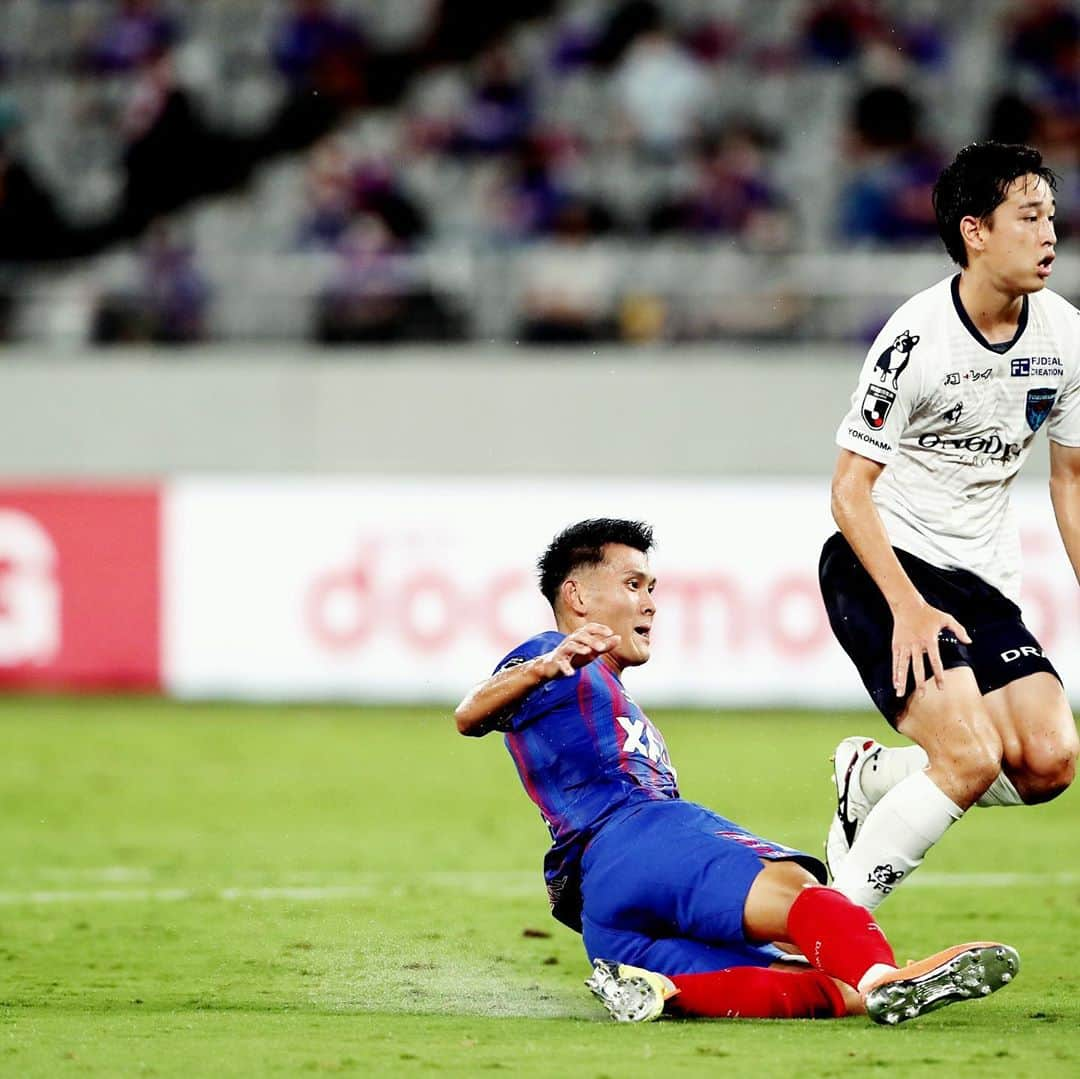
x=876, y=405
x=1039, y=403
x=895, y=358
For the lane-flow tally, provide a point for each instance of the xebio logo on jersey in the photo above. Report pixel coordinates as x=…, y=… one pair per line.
x=876, y=405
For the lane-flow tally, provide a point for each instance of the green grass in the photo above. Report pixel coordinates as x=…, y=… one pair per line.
x=228, y=890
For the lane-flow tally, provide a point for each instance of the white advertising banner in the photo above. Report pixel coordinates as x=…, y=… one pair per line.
x=412, y=590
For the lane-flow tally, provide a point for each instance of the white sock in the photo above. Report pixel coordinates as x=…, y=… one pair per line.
x=894, y=838
x=872, y=976
x=889, y=766
x=1000, y=793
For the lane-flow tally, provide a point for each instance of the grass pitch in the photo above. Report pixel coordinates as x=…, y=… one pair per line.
x=238, y=890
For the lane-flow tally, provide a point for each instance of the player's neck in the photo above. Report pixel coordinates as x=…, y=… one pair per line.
x=994, y=311
x=612, y=664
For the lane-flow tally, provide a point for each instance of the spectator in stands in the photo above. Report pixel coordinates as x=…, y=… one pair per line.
x=137, y=32
x=568, y=288
x=893, y=169
x=166, y=305
x=499, y=110
x=318, y=49
x=661, y=93
x=339, y=189
x=835, y=31
x=843, y=31
x=733, y=192
x=531, y=198
x=378, y=295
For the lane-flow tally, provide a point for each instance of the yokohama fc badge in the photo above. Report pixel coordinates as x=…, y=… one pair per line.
x=876, y=405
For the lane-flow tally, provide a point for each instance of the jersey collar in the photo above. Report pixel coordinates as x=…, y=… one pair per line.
x=1001, y=347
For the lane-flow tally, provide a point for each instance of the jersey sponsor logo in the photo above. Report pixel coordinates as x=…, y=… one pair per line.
x=993, y=447
x=854, y=432
x=642, y=738
x=1039, y=403
x=894, y=359
x=954, y=378
x=954, y=413
x=1049, y=366
x=876, y=405
x=1010, y=655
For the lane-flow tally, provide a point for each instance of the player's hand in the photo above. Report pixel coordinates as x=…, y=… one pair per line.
x=578, y=649
x=916, y=634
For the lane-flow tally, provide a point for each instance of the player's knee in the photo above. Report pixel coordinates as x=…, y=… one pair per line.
x=1049, y=769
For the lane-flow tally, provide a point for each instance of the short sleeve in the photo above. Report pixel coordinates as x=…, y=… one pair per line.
x=1063, y=426
x=887, y=393
x=545, y=697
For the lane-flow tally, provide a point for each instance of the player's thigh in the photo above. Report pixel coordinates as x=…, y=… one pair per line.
x=953, y=725
x=863, y=623
x=768, y=903
x=677, y=869
x=671, y=955
x=1035, y=724
x=662, y=874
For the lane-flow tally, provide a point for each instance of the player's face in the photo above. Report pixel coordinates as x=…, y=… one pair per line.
x=1020, y=238
x=619, y=593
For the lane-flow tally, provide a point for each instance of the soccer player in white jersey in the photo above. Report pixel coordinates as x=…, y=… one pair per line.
x=921, y=582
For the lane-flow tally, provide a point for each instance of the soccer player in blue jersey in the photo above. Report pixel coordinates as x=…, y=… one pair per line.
x=680, y=908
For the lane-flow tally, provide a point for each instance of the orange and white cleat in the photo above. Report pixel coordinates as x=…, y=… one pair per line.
x=963, y=972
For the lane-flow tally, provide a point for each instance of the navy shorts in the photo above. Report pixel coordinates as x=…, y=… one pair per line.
x=664, y=887
x=1002, y=648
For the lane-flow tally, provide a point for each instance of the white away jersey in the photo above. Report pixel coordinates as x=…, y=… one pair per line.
x=954, y=418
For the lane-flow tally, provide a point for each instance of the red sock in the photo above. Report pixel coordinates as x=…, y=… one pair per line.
x=836, y=935
x=757, y=993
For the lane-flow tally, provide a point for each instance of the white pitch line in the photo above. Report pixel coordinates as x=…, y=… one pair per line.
x=497, y=885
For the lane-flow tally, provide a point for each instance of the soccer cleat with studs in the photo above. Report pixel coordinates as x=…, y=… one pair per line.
x=630, y=994
x=852, y=806
x=964, y=972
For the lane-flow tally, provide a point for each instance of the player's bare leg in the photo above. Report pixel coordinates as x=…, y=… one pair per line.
x=1038, y=736
x=964, y=754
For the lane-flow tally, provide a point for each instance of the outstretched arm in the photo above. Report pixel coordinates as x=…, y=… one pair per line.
x=1065, y=495
x=479, y=712
x=916, y=624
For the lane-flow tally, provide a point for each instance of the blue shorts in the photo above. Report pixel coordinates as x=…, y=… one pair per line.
x=664, y=886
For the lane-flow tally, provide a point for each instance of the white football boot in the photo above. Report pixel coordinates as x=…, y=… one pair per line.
x=852, y=806
x=630, y=994
x=964, y=972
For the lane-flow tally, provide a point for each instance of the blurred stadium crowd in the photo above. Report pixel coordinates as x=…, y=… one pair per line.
x=577, y=171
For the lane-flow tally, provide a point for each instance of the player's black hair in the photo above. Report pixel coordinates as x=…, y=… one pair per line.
x=974, y=185
x=582, y=544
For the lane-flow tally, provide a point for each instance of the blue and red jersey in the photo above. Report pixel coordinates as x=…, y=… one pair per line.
x=584, y=751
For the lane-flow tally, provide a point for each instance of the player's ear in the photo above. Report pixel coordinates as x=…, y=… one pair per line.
x=972, y=232
x=573, y=596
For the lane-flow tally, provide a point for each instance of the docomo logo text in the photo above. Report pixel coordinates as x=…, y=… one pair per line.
x=29, y=592
x=430, y=609
x=424, y=606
